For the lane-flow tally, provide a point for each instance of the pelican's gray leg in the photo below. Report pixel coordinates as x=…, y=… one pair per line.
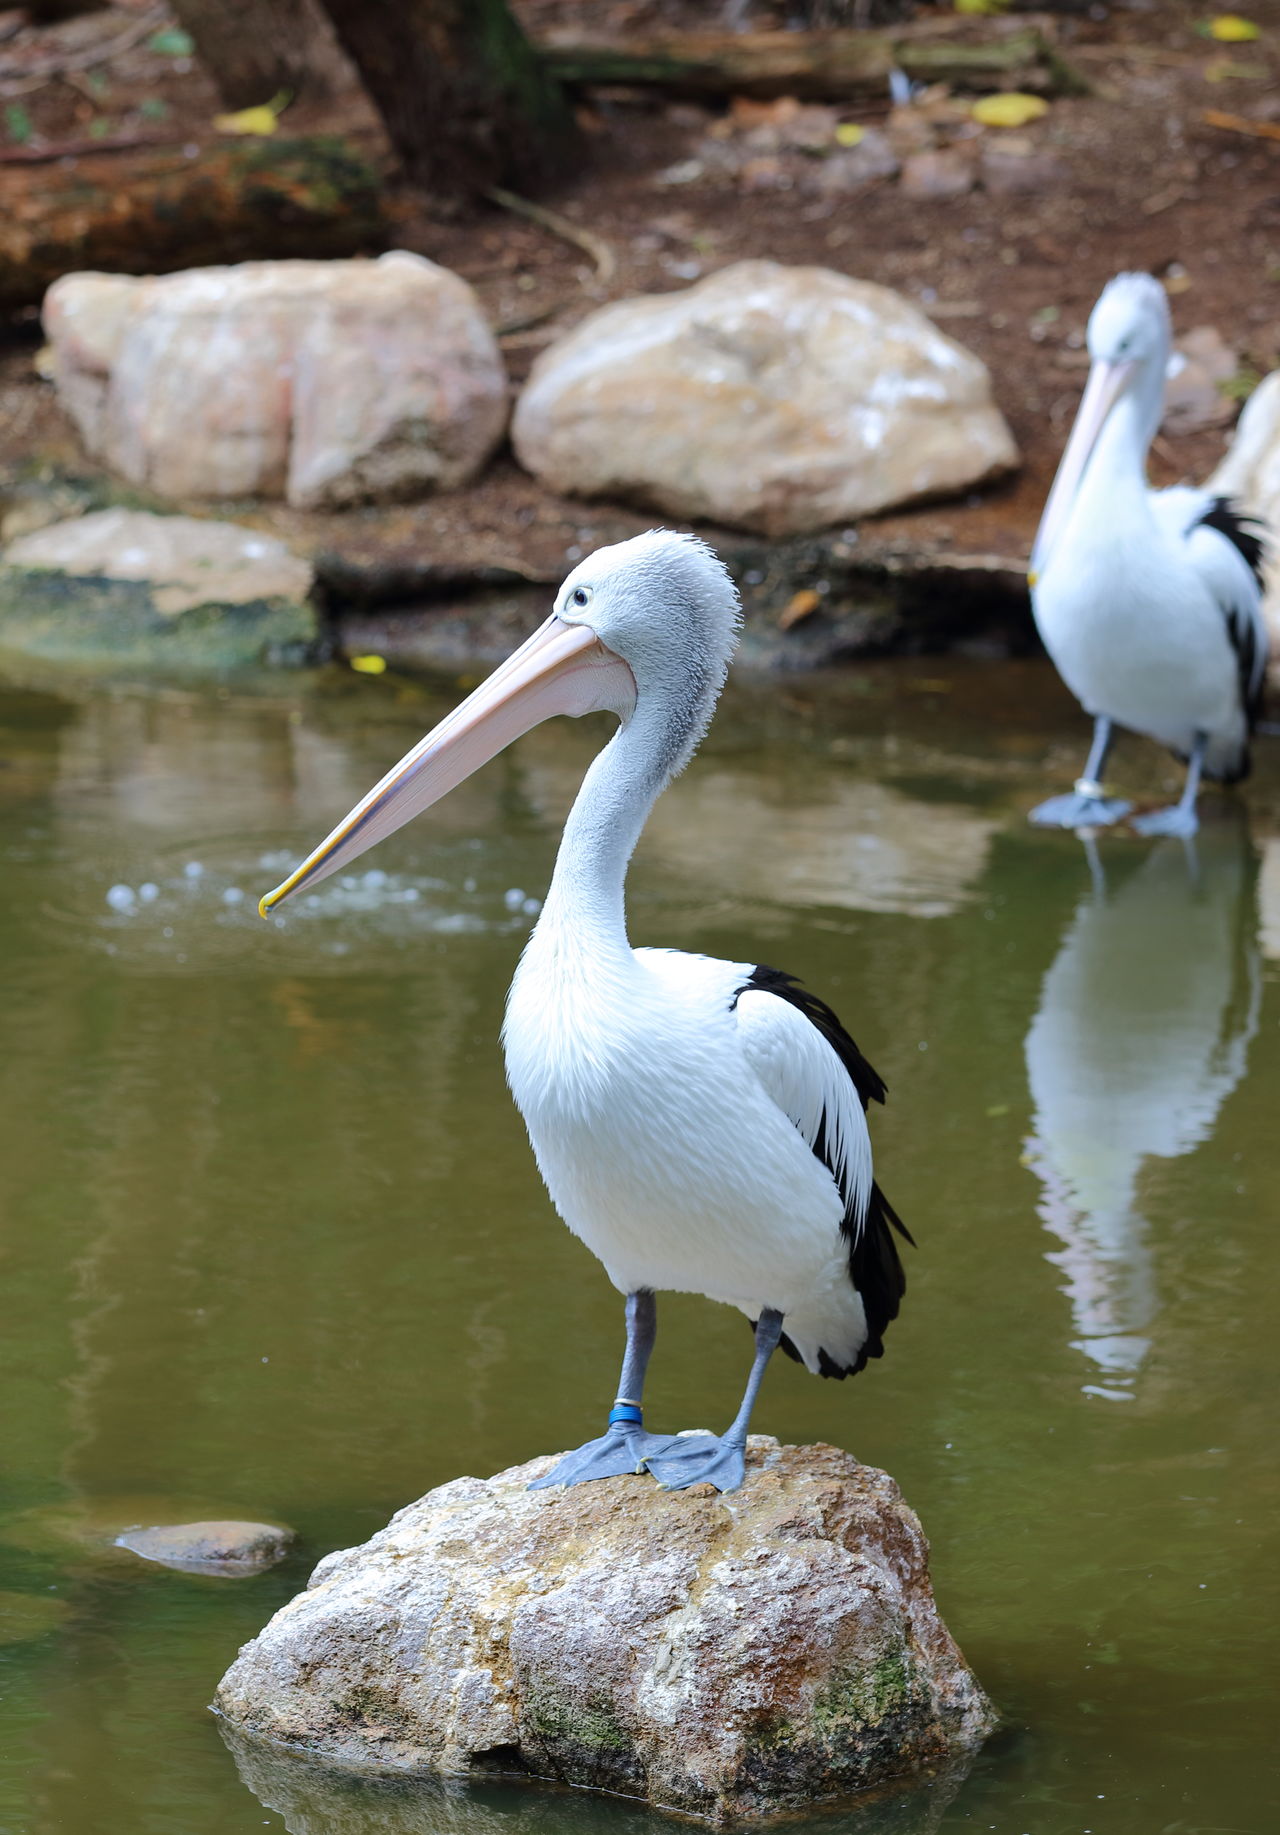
x=696, y=1459
x=1181, y=819
x=625, y=1446
x=1088, y=806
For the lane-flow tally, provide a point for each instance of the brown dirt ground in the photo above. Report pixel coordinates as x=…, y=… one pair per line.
x=1147, y=184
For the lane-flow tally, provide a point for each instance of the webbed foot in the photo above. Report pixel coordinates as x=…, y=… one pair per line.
x=1079, y=811
x=1178, y=820
x=700, y=1459
x=618, y=1454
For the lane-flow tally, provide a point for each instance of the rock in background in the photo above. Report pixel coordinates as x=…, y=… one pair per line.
x=769, y=398
x=326, y=383
x=721, y=1655
x=1195, y=393
x=124, y=589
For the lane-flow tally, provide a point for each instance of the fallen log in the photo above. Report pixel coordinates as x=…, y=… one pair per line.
x=820, y=66
x=312, y=196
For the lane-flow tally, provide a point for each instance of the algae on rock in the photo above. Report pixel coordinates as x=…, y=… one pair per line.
x=127, y=590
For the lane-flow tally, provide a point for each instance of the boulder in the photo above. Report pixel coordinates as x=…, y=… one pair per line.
x=769, y=398
x=327, y=383
x=1193, y=391
x=125, y=588
x=223, y=1547
x=721, y=1655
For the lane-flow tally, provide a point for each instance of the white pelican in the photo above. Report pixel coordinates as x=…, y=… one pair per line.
x=1149, y=602
x=699, y=1124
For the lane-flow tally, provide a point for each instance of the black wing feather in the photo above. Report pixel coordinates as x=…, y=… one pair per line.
x=1245, y=533
x=1248, y=537
x=767, y=980
x=875, y=1268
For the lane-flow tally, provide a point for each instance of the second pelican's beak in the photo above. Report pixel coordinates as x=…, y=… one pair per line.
x=1106, y=384
x=562, y=669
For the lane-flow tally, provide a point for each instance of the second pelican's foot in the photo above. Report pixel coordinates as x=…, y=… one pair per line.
x=700, y=1459
x=1077, y=811
x=618, y=1454
x=1176, y=820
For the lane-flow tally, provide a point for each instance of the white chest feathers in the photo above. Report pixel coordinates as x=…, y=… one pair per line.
x=659, y=1144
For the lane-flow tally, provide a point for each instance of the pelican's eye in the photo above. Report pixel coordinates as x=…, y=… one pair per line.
x=580, y=596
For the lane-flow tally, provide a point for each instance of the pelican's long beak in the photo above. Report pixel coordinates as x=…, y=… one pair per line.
x=562, y=669
x=1106, y=384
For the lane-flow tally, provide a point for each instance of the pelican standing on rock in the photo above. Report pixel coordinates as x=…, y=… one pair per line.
x=699, y=1124
x=1149, y=602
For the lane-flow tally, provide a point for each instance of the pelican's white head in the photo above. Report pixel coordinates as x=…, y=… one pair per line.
x=1130, y=323
x=1129, y=340
x=665, y=605
x=643, y=629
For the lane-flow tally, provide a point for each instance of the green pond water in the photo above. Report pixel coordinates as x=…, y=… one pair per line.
x=272, y=1243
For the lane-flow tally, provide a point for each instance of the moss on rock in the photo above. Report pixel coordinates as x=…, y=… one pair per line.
x=123, y=591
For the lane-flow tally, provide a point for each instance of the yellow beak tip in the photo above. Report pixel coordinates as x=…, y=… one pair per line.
x=264, y=905
x=1032, y=580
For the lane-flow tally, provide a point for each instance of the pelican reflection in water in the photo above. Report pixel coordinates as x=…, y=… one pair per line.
x=1142, y=1032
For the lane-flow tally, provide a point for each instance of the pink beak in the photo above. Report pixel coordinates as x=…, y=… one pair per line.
x=1104, y=388
x=562, y=669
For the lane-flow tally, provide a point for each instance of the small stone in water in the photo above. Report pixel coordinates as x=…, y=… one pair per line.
x=374, y=878
x=147, y=892
x=233, y=896
x=193, y=869
x=531, y=907
x=513, y=898
x=211, y=1548
x=121, y=898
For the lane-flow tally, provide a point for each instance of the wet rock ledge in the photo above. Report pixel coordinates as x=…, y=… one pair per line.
x=727, y=1656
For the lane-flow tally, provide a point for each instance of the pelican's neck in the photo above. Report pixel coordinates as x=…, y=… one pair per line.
x=1115, y=479
x=584, y=918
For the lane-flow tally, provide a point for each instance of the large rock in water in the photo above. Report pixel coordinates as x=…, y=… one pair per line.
x=768, y=398
x=722, y=1655
x=327, y=383
x=125, y=589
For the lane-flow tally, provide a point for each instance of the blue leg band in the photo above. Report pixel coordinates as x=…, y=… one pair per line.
x=626, y=1414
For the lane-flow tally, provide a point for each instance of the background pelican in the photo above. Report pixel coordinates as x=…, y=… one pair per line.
x=1141, y=1034
x=699, y=1124
x=1149, y=602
